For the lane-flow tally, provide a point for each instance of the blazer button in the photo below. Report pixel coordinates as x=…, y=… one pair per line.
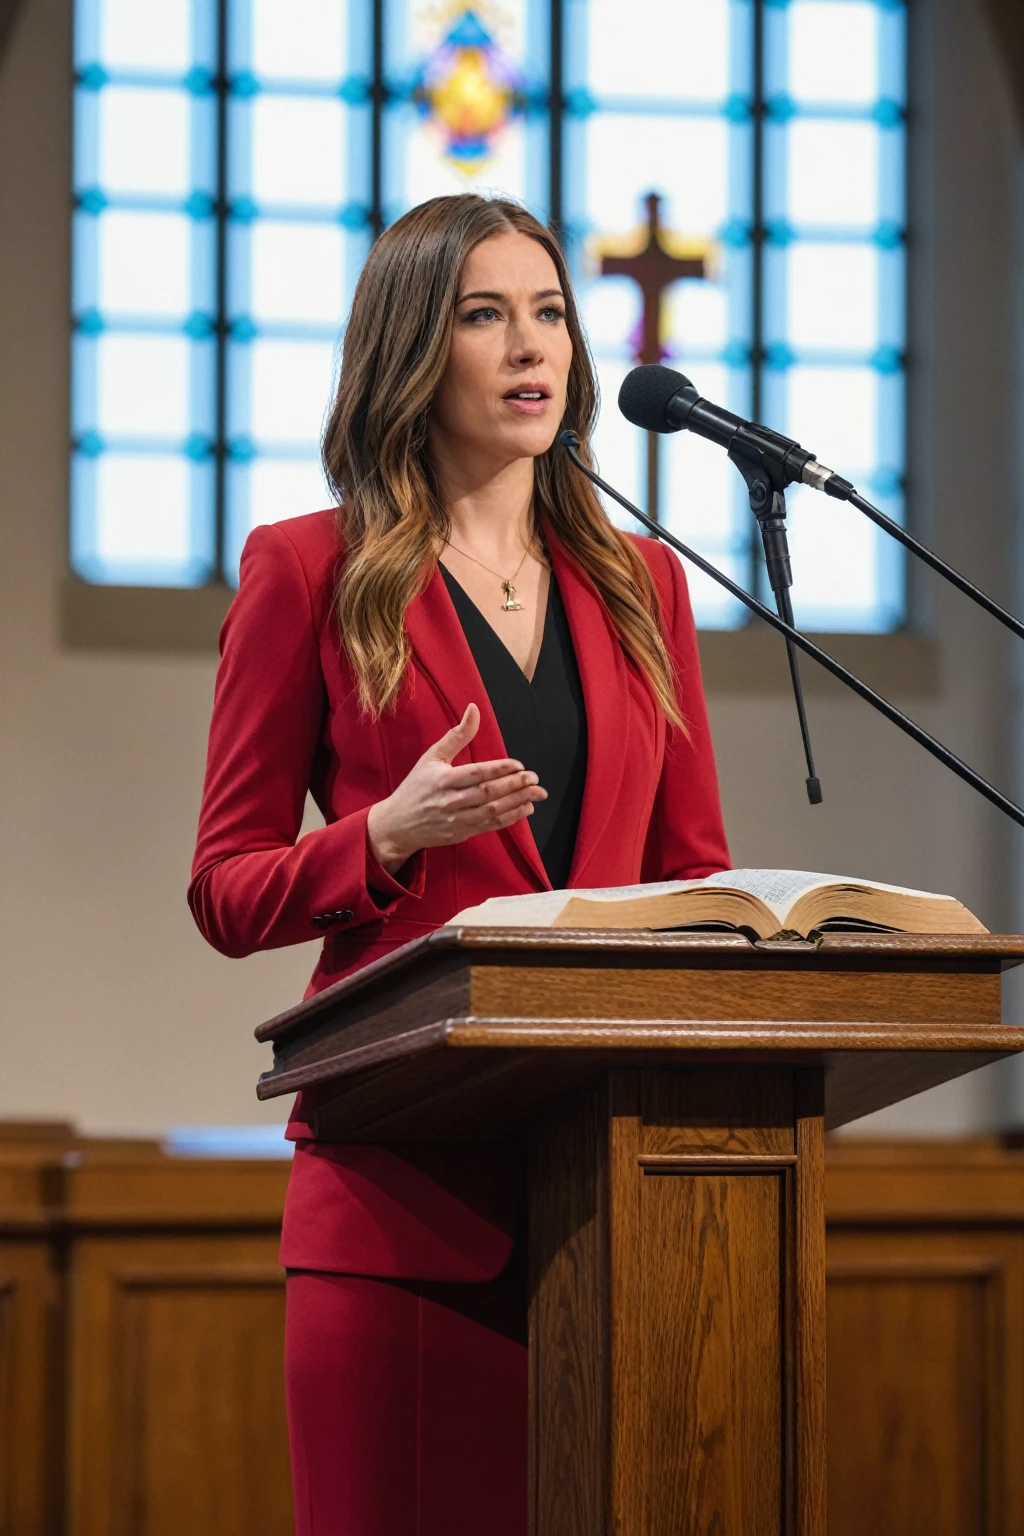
x=344, y=916
x=321, y=921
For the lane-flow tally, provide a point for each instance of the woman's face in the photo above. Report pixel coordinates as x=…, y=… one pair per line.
x=502, y=394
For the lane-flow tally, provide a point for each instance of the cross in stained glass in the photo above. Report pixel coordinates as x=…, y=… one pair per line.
x=654, y=267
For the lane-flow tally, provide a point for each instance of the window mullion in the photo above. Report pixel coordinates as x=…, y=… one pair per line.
x=758, y=236
x=221, y=324
x=378, y=91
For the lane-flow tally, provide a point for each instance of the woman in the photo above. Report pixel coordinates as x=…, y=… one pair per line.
x=488, y=689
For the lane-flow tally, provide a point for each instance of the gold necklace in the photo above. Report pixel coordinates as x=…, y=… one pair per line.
x=511, y=603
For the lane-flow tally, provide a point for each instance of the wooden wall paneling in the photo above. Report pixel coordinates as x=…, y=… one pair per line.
x=30, y=1360
x=176, y=1407
x=32, y=1338
x=926, y=1382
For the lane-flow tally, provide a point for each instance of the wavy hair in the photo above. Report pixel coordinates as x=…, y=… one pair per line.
x=391, y=517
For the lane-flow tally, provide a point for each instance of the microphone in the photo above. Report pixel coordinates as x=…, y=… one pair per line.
x=665, y=401
x=661, y=400
x=571, y=443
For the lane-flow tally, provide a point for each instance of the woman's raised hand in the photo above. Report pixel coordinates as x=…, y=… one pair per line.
x=436, y=804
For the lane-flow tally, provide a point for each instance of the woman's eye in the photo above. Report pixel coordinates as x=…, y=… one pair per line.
x=552, y=312
x=479, y=316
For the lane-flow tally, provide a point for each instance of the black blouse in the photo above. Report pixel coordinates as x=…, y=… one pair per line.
x=543, y=720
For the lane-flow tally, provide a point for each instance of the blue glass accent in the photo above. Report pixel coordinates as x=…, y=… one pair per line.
x=885, y=482
x=889, y=114
x=200, y=205
x=198, y=81
x=736, y=233
x=93, y=78
x=780, y=109
x=887, y=360
x=579, y=102
x=355, y=92
x=779, y=355
x=736, y=354
x=353, y=216
x=244, y=85
x=889, y=236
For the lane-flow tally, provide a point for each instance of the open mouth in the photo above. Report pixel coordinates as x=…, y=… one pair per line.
x=529, y=399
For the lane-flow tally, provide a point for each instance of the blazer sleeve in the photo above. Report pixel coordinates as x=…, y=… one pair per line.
x=255, y=883
x=686, y=836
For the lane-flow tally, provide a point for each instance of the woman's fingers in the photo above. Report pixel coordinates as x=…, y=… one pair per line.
x=493, y=790
x=498, y=813
x=453, y=741
x=469, y=774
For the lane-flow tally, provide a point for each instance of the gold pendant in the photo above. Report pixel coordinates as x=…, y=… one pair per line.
x=511, y=603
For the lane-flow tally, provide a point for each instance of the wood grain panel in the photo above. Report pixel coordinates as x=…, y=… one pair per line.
x=806, y=1333
x=177, y=1393
x=568, y=1323
x=926, y=1382
x=710, y=1299
x=908, y=1449
x=681, y=1110
x=664, y=1316
x=834, y=996
x=903, y=1183
x=30, y=1481
x=202, y=1395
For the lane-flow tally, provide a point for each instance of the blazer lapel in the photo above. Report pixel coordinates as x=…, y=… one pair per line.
x=443, y=653
x=602, y=666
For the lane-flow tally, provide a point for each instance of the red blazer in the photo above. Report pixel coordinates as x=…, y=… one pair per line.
x=286, y=718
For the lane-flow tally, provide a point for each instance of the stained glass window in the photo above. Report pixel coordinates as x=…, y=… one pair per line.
x=234, y=160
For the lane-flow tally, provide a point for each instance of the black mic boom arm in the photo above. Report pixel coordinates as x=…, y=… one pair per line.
x=570, y=442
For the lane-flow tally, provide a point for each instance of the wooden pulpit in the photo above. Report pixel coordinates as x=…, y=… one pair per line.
x=674, y=1090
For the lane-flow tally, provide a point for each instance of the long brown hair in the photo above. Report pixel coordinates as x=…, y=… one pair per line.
x=391, y=517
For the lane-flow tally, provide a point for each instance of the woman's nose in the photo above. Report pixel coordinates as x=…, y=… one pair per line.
x=526, y=345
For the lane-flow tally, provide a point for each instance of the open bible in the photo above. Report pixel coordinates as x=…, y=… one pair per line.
x=766, y=903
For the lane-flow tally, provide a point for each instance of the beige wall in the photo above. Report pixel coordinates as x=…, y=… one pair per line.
x=114, y=1011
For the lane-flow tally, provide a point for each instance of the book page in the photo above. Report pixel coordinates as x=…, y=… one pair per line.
x=535, y=909
x=781, y=889
x=631, y=892
x=541, y=908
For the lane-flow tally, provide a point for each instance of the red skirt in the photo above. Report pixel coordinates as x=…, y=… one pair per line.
x=407, y=1405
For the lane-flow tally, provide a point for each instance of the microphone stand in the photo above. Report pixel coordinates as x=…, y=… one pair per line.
x=570, y=442
x=766, y=490
x=842, y=490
